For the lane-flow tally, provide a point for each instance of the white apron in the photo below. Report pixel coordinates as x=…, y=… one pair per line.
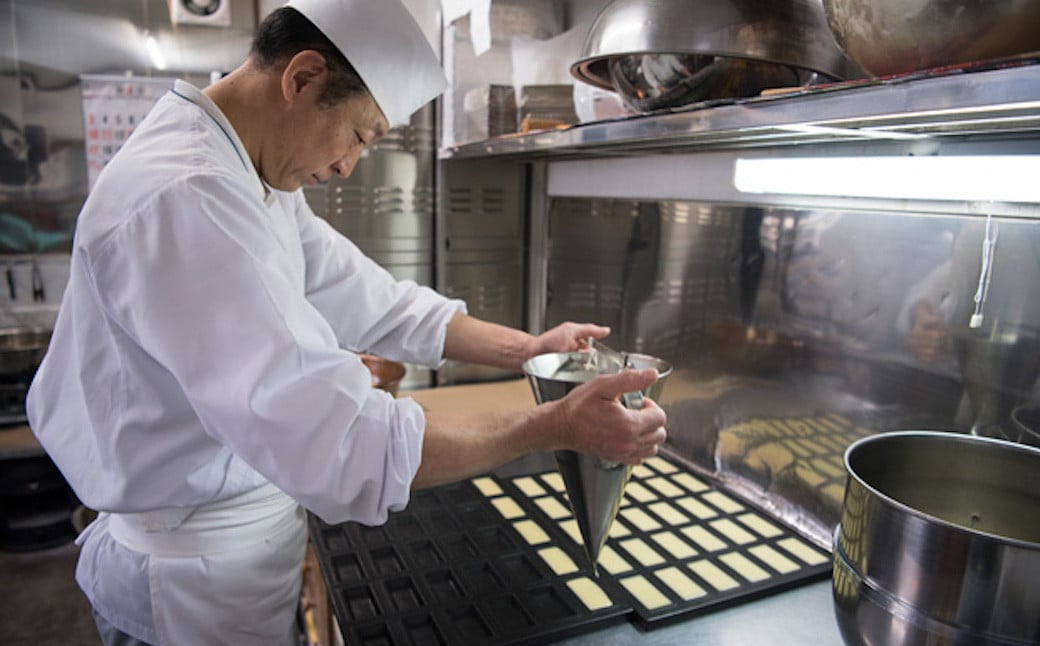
x=229, y=573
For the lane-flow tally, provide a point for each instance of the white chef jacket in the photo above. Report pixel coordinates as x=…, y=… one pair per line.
x=198, y=350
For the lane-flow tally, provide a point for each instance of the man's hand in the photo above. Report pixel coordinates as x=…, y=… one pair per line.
x=594, y=420
x=565, y=337
x=929, y=337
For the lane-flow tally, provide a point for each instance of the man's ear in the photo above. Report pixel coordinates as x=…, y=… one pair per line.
x=304, y=73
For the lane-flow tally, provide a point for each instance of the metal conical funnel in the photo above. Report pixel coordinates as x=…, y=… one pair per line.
x=594, y=486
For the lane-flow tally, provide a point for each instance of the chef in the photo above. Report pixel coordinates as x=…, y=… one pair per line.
x=203, y=386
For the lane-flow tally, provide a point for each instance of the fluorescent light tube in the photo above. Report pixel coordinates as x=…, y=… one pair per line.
x=155, y=52
x=998, y=178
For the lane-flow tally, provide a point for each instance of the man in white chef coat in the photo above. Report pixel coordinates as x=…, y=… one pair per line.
x=203, y=387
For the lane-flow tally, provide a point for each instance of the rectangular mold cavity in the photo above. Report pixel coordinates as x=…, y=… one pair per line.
x=406, y=527
x=495, y=540
x=445, y=586
x=372, y=536
x=439, y=522
x=377, y=634
x=421, y=629
x=548, y=604
x=387, y=561
x=403, y=594
x=361, y=603
x=519, y=569
x=458, y=547
x=475, y=515
x=425, y=553
x=460, y=492
x=508, y=614
x=336, y=540
x=348, y=569
x=482, y=578
x=468, y=625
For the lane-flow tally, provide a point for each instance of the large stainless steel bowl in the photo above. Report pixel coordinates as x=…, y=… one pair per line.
x=666, y=53
x=896, y=36
x=939, y=541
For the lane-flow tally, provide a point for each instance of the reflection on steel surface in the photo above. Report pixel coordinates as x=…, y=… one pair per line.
x=867, y=305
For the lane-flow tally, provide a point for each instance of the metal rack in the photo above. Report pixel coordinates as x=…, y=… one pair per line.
x=980, y=101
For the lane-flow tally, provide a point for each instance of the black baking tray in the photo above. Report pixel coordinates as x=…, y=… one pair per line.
x=450, y=569
x=796, y=571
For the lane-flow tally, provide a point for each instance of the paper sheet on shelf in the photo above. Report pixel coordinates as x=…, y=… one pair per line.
x=479, y=20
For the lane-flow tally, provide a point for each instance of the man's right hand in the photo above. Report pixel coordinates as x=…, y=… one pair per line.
x=595, y=421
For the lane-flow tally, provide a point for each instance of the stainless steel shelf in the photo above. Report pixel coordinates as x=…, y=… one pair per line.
x=963, y=103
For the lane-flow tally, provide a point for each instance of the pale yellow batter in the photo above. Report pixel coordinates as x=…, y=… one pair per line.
x=762, y=526
x=669, y=514
x=644, y=592
x=744, y=567
x=674, y=545
x=590, y=593
x=557, y=560
x=697, y=508
x=732, y=531
x=723, y=502
x=707, y=541
x=529, y=487
x=612, y=562
x=488, y=487
x=532, y=532
x=552, y=507
x=507, y=507
x=802, y=551
x=713, y=575
x=681, y=585
x=642, y=552
x=773, y=559
x=691, y=483
x=555, y=481
x=640, y=519
x=665, y=487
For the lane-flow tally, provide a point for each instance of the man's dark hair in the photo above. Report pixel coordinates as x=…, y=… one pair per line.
x=285, y=33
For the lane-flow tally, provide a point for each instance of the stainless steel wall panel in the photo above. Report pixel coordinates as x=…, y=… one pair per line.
x=481, y=248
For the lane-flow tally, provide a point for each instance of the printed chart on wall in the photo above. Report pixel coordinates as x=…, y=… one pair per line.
x=112, y=108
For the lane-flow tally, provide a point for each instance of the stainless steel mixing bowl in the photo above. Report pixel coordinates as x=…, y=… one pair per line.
x=666, y=53
x=896, y=36
x=939, y=541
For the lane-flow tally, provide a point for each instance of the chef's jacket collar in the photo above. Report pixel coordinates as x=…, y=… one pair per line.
x=191, y=93
x=384, y=44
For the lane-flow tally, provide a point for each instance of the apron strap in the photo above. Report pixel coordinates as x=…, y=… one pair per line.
x=222, y=526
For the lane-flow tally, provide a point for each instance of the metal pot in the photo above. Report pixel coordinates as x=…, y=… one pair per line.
x=896, y=36
x=667, y=53
x=22, y=349
x=939, y=541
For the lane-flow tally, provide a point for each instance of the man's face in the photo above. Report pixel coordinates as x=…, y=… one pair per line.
x=322, y=141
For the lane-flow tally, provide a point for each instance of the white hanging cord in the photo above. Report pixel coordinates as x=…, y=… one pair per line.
x=989, y=244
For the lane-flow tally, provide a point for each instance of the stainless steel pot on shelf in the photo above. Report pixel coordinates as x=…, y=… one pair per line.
x=659, y=54
x=939, y=541
x=896, y=36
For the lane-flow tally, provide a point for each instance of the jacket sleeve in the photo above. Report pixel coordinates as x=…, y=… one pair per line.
x=206, y=288
x=367, y=308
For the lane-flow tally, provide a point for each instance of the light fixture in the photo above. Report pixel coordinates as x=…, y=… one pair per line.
x=151, y=45
x=999, y=178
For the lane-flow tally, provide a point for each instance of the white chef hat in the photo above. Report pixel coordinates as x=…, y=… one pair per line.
x=382, y=41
